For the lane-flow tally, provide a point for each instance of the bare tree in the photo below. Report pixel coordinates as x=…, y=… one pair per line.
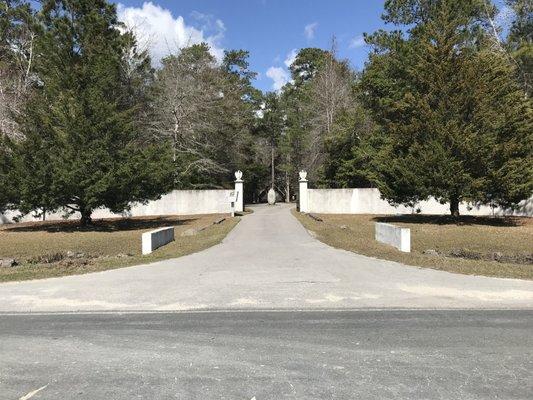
x=17, y=53
x=331, y=94
x=181, y=98
x=499, y=45
x=199, y=108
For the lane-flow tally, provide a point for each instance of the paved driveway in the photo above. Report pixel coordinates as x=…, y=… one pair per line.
x=268, y=261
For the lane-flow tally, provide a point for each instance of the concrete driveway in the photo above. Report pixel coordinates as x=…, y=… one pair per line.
x=269, y=261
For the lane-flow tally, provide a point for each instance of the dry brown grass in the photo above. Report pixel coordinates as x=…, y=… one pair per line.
x=40, y=247
x=472, y=237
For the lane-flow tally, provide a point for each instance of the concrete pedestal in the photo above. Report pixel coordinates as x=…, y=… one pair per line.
x=303, y=199
x=239, y=189
x=271, y=197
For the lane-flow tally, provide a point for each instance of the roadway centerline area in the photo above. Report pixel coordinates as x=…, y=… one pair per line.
x=371, y=354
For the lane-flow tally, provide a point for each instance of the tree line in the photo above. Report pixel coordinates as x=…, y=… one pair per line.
x=86, y=121
x=442, y=109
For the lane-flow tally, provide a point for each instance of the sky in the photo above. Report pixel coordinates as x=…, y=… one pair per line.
x=271, y=30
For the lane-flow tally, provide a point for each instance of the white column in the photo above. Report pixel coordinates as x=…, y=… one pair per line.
x=239, y=190
x=303, y=194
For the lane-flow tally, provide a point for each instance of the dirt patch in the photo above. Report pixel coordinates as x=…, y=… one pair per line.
x=450, y=220
x=525, y=258
x=315, y=217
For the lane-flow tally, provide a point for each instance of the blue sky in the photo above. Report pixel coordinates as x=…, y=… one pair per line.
x=271, y=30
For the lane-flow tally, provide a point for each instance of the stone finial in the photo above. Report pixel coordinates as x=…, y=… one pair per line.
x=303, y=175
x=238, y=175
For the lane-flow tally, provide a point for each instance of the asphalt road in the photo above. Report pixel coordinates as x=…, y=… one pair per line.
x=366, y=354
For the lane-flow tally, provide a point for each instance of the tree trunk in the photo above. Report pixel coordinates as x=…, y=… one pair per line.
x=86, y=216
x=454, y=205
x=175, y=143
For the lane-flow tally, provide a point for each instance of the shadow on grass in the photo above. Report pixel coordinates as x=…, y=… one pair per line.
x=101, y=225
x=449, y=220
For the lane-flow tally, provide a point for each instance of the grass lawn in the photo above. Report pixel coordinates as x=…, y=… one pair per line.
x=471, y=245
x=57, y=248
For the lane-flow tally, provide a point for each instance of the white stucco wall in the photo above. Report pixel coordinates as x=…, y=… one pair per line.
x=177, y=202
x=368, y=201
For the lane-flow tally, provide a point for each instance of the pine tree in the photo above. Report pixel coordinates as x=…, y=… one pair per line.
x=455, y=123
x=8, y=185
x=83, y=118
x=32, y=173
x=520, y=40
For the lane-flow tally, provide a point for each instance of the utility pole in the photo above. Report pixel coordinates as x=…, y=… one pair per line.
x=288, y=180
x=272, y=192
x=272, y=177
x=287, y=188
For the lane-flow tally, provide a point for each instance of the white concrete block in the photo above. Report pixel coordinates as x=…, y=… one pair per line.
x=394, y=235
x=155, y=239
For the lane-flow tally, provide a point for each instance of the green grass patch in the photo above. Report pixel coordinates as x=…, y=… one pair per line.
x=499, y=247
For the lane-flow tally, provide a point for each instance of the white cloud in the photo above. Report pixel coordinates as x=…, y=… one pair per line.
x=290, y=57
x=162, y=34
x=279, y=75
x=309, y=30
x=356, y=42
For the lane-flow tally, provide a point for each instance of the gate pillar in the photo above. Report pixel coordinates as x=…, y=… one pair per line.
x=239, y=190
x=303, y=199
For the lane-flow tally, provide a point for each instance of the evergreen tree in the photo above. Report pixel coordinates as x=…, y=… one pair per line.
x=82, y=119
x=351, y=150
x=455, y=123
x=8, y=185
x=340, y=121
x=32, y=173
x=520, y=40
x=325, y=123
x=295, y=141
